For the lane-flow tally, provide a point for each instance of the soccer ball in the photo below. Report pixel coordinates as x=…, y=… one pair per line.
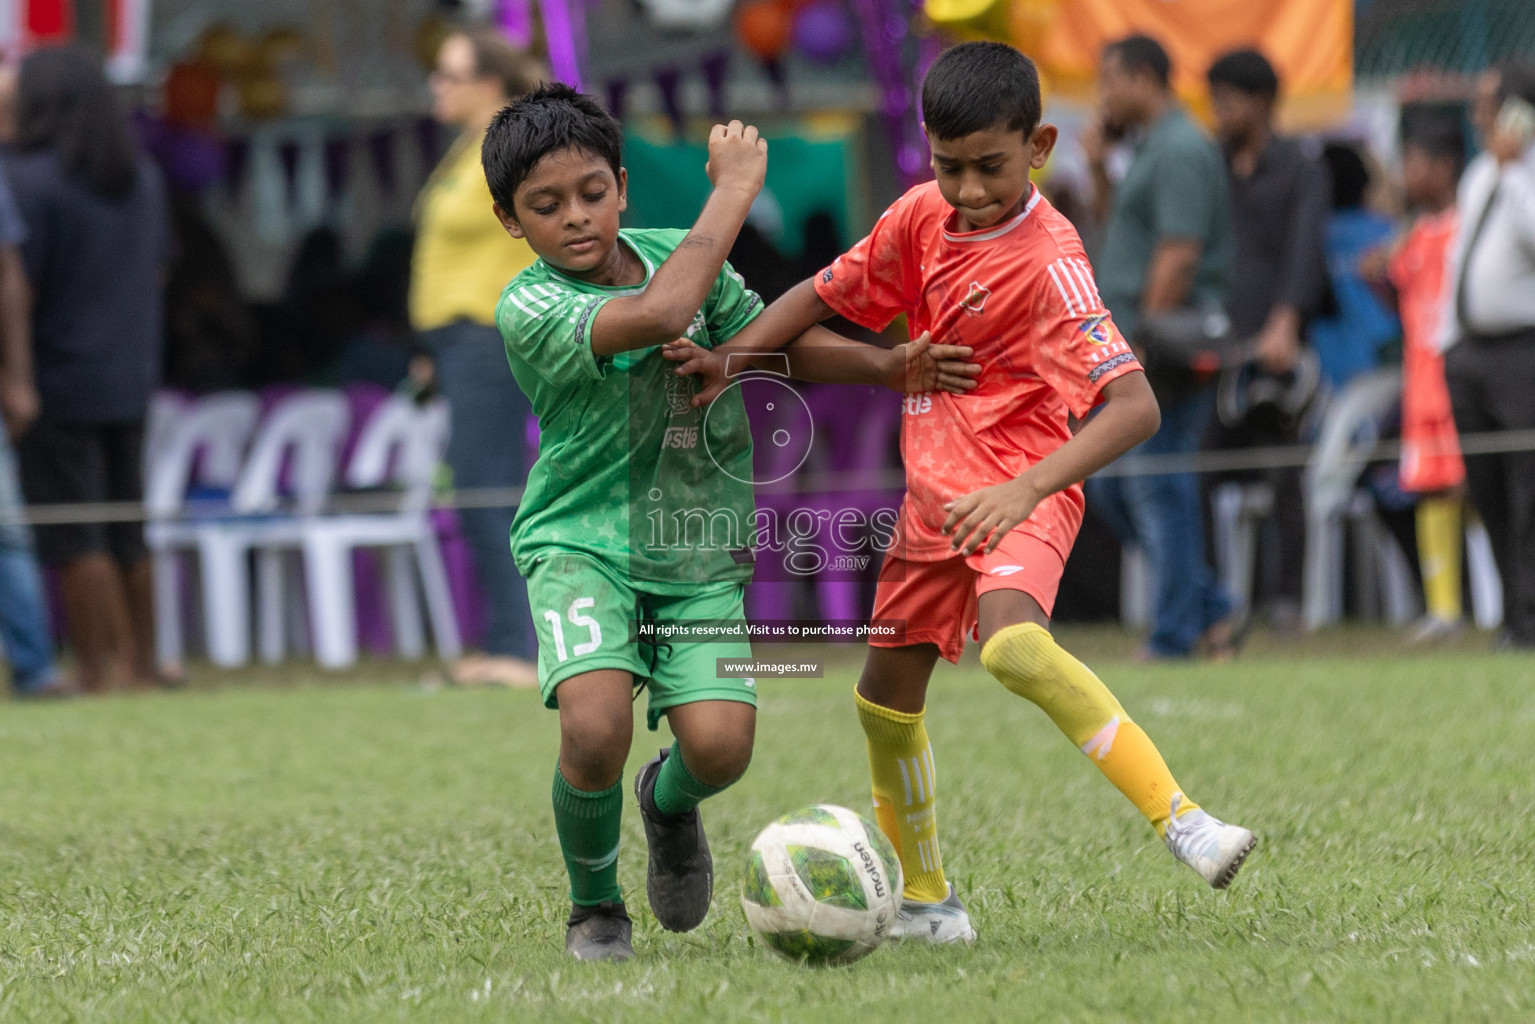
x=823, y=886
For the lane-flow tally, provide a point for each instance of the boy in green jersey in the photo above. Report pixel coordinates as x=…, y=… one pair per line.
x=639, y=507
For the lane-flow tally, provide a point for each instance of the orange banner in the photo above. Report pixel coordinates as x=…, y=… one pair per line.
x=1311, y=42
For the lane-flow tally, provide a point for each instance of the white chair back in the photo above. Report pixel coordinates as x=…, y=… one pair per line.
x=305, y=431
x=401, y=444
x=1350, y=428
x=218, y=427
x=165, y=408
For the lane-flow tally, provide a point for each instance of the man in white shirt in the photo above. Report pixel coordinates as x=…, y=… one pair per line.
x=1490, y=338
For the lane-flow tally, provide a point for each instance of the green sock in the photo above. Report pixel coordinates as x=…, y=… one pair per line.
x=677, y=791
x=587, y=824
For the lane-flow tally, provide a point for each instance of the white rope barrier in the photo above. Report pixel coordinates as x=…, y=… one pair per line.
x=1226, y=461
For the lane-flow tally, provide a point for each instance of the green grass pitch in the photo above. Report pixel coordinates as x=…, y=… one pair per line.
x=282, y=847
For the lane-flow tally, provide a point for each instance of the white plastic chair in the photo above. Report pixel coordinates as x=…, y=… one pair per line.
x=1482, y=573
x=1135, y=587
x=399, y=447
x=206, y=437
x=1349, y=431
x=166, y=408
x=298, y=444
x=1237, y=513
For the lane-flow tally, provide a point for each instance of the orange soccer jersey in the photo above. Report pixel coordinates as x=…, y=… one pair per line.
x=1431, y=458
x=1022, y=295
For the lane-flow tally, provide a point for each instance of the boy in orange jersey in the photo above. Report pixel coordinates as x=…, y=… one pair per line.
x=1432, y=155
x=994, y=500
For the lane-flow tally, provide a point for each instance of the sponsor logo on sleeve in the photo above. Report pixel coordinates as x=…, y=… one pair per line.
x=1099, y=329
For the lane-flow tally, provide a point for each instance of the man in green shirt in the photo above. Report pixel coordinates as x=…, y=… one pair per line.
x=639, y=508
x=1168, y=244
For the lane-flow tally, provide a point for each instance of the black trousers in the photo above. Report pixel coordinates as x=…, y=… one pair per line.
x=1492, y=387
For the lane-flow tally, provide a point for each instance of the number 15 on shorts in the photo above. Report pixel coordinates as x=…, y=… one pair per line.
x=578, y=618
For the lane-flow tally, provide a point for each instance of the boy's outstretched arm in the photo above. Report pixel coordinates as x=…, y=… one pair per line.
x=1129, y=415
x=790, y=324
x=665, y=309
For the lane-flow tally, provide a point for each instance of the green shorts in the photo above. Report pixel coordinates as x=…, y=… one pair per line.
x=583, y=613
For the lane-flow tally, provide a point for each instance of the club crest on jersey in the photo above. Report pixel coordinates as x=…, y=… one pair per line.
x=1098, y=329
x=679, y=395
x=974, y=302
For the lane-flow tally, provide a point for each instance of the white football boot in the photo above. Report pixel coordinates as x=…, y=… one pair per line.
x=933, y=922
x=1211, y=847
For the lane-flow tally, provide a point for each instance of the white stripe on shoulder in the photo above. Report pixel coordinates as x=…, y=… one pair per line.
x=1083, y=281
x=514, y=300
x=1087, y=276
x=1054, y=276
x=1065, y=269
x=529, y=303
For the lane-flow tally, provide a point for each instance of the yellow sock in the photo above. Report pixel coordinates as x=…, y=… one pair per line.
x=905, y=795
x=1028, y=661
x=1439, y=556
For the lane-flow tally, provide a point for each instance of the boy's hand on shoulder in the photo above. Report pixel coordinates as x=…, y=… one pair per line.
x=737, y=158
x=985, y=516
x=696, y=361
x=919, y=366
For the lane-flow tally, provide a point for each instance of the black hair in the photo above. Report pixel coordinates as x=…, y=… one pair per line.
x=1142, y=53
x=1436, y=132
x=67, y=106
x=550, y=118
x=1349, y=173
x=978, y=86
x=1246, y=71
x=1516, y=79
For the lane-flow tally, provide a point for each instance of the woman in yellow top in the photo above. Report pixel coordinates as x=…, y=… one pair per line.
x=462, y=261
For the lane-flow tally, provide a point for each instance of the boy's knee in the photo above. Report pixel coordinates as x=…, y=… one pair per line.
x=719, y=758
x=1021, y=658
x=595, y=745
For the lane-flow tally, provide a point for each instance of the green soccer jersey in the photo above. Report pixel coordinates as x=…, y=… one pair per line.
x=627, y=471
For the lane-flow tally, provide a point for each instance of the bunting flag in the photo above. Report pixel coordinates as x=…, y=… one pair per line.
x=26, y=24
x=565, y=34
x=516, y=19
x=127, y=39
x=48, y=21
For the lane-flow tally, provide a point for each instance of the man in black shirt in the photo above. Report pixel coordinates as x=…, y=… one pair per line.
x=1279, y=198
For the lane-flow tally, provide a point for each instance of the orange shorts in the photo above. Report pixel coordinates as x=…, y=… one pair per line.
x=1431, y=458
x=938, y=601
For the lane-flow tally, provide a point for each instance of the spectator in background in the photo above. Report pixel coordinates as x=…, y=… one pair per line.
x=210, y=332
x=379, y=351
x=1167, y=245
x=316, y=315
x=1490, y=331
x=24, y=632
x=463, y=259
x=1413, y=276
x=96, y=251
x=1350, y=335
x=1279, y=212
